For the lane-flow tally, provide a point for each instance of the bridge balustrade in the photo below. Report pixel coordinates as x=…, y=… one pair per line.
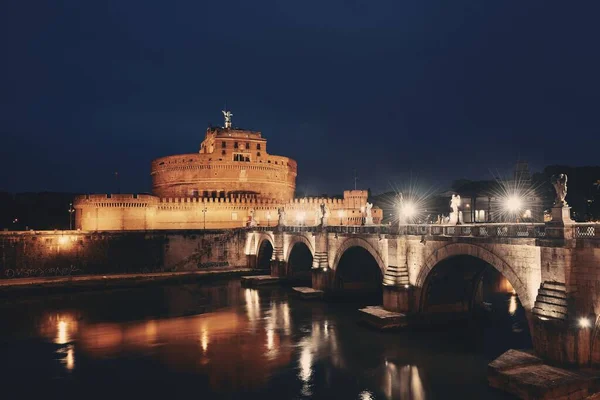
x=537, y=230
x=587, y=231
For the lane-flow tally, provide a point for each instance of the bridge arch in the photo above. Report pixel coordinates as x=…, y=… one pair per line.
x=295, y=239
x=263, y=250
x=358, y=270
x=483, y=254
x=358, y=242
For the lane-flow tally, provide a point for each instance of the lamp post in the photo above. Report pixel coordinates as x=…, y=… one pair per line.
x=71, y=211
x=513, y=205
x=204, y=212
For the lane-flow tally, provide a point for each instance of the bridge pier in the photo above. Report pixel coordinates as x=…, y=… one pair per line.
x=321, y=279
x=401, y=299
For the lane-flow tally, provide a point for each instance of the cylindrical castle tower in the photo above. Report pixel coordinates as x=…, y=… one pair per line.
x=230, y=162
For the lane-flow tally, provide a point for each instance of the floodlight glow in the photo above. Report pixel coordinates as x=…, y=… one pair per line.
x=514, y=204
x=584, y=322
x=408, y=210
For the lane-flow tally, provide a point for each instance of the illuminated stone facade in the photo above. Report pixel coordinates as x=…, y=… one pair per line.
x=147, y=212
x=230, y=180
x=230, y=162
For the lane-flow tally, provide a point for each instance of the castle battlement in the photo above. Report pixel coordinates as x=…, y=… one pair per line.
x=229, y=181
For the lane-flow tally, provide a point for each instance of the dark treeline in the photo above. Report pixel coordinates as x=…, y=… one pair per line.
x=41, y=211
x=583, y=194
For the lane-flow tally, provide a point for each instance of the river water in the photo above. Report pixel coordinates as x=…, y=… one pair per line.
x=220, y=340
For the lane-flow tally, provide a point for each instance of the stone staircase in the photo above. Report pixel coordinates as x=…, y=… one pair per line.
x=551, y=302
x=396, y=276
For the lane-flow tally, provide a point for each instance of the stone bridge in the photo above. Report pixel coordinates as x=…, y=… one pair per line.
x=554, y=269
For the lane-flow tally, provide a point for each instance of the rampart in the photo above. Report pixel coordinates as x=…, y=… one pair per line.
x=65, y=253
x=146, y=212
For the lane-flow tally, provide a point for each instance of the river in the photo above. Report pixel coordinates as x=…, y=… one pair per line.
x=220, y=340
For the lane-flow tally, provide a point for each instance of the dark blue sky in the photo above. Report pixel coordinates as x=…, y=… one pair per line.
x=401, y=90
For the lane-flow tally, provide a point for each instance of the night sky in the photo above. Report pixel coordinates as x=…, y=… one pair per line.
x=426, y=91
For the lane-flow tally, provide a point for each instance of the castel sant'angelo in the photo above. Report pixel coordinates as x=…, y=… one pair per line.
x=231, y=182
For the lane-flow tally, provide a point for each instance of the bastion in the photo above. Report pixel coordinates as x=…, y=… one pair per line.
x=231, y=182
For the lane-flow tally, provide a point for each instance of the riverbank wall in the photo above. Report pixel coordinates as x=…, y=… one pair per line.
x=34, y=254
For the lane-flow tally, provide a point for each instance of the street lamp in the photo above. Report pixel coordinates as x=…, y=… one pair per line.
x=204, y=212
x=408, y=211
x=71, y=211
x=513, y=204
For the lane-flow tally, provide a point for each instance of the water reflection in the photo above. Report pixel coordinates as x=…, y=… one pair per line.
x=512, y=305
x=61, y=328
x=256, y=341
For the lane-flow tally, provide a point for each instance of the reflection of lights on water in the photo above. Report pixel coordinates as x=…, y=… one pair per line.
x=305, y=362
x=151, y=331
x=62, y=332
x=285, y=309
x=512, y=305
x=252, y=305
x=326, y=329
x=70, y=359
x=366, y=395
x=405, y=379
x=270, y=341
x=204, y=340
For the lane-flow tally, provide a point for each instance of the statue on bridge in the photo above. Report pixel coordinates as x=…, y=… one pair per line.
x=560, y=186
x=368, y=214
x=455, y=214
x=251, y=221
x=324, y=215
x=281, y=213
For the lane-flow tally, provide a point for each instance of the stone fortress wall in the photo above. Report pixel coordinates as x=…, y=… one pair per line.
x=230, y=180
x=116, y=212
x=30, y=254
x=230, y=162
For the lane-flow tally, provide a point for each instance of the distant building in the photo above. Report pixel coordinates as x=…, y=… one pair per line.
x=489, y=201
x=231, y=182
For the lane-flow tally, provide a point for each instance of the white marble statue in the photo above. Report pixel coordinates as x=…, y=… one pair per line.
x=560, y=186
x=251, y=221
x=454, y=204
x=368, y=214
x=281, y=213
x=323, y=214
x=227, y=115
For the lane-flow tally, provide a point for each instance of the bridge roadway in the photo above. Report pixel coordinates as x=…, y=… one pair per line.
x=554, y=269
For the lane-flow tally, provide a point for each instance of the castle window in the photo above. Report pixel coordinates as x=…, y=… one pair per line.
x=223, y=145
x=258, y=154
x=247, y=145
x=257, y=146
x=235, y=145
x=223, y=152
